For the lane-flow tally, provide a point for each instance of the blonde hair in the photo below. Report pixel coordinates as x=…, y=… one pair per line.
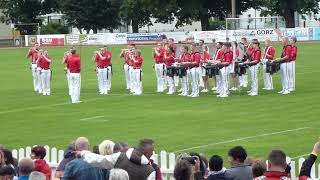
x=106, y=147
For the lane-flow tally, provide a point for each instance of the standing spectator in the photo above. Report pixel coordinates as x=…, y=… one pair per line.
x=182, y=170
x=120, y=147
x=118, y=174
x=6, y=173
x=68, y=157
x=202, y=169
x=35, y=175
x=276, y=167
x=239, y=170
x=259, y=167
x=9, y=160
x=25, y=167
x=106, y=147
x=37, y=155
x=217, y=172
x=2, y=159
x=78, y=169
x=308, y=163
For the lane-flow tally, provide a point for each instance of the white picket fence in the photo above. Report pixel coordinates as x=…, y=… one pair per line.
x=165, y=160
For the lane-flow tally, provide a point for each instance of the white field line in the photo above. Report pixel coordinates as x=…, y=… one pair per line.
x=90, y=118
x=242, y=139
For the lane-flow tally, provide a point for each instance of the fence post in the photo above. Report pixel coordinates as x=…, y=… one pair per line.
x=15, y=153
x=163, y=158
x=54, y=157
x=293, y=170
x=21, y=153
x=47, y=158
x=28, y=151
x=154, y=157
x=60, y=155
x=172, y=163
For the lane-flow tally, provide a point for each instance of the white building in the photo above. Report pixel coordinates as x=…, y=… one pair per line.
x=5, y=30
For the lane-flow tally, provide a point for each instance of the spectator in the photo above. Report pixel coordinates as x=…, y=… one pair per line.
x=37, y=155
x=118, y=174
x=206, y=165
x=2, y=159
x=182, y=170
x=36, y=175
x=276, y=166
x=106, y=147
x=239, y=170
x=259, y=167
x=133, y=161
x=6, y=173
x=25, y=167
x=194, y=163
x=120, y=147
x=202, y=170
x=78, y=169
x=9, y=160
x=308, y=163
x=68, y=157
x=217, y=171
x=95, y=149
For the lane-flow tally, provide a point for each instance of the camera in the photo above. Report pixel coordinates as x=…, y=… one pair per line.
x=191, y=160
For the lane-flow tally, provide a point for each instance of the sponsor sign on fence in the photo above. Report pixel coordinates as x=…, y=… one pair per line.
x=51, y=40
x=145, y=38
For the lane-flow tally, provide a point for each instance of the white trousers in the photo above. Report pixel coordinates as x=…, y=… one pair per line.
x=291, y=75
x=104, y=79
x=267, y=77
x=176, y=80
x=171, y=84
x=127, y=75
x=39, y=82
x=223, y=81
x=131, y=78
x=160, y=75
x=68, y=81
x=284, y=76
x=254, y=78
x=45, y=81
x=34, y=76
x=137, y=81
x=200, y=73
x=194, y=80
x=243, y=79
x=184, y=84
x=75, y=86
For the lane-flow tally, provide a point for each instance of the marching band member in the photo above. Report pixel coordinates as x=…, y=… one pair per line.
x=74, y=65
x=169, y=59
x=201, y=44
x=183, y=60
x=33, y=55
x=206, y=58
x=64, y=61
x=245, y=53
x=292, y=64
x=44, y=61
x=103, y=66
x=253, y=62
x=224, y=63
x=159, y=67
x=137, y=73
x=194, y=71
x=234, y=76
x=218, y=57
x=268, y=56
x=125, y=55
x=284, y=60
x=174, y=46
x=132, y=53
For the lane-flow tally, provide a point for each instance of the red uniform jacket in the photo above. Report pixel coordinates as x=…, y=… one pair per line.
x=227, y=57
x=206, y=56
x=159, y=58
x=256, y=55
x=195, y=58
x=169, y=60
x=34, y=55
x=43, y=63
x=137, y=64
x=42, y=166
x=270, y=51
x=74, y=64
x=294, y=50
x=286, y=51
x=219, y=54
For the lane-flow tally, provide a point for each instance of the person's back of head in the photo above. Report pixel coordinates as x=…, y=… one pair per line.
x=258, y=168
x=120, y=147
x=35, y=175
x=7, y=173
x=82, y=144
x=118, y=174
x=106, y=147
x=182, y=170
x=146, y=147
x=38, y=152
x=277, y=161
x=25, y=166
x=215, y=163
x=8, y=156
x=237, y=155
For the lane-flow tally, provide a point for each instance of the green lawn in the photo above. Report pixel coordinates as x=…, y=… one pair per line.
x=210, y=124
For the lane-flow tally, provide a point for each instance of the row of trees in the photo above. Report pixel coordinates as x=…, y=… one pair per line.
x=108, y=14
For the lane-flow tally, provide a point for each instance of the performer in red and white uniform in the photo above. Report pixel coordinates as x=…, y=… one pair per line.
x=194, y=71
x=33, y=55
x=103, y=64
x=169, y=59
x=245, y=53
x=44, y=61
x=253, y=62
x=74, y=66
x=159, y=67
x=235, y=79
x=217, y=57
x=268, y=56
x=174, y=46
x=137, y=73
x=205, y=58
x=126, y=66
x=284, y=60
x=183, y=60
x=64, y=61
x=223, y=73
x=292, y=64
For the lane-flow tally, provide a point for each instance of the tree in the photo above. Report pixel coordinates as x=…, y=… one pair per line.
x=287, y=8
x=136, y=12
x=95, y=15
x=54, y=29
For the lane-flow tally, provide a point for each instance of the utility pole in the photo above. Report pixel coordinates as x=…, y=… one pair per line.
x=233, y=8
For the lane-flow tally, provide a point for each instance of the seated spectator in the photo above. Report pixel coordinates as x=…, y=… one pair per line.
x=36, y=175
x=106, y=147
x=68, y=157
x=37, y=155
x=276, y=167
x=118, y=174
x=259, y=167
x=78, y=169
x=182, y=170
x=308, y=163
x=217, y=171
x=133, y=161
x=239, y=170
x=120, y=147
x=25, y=167
x=6, y=173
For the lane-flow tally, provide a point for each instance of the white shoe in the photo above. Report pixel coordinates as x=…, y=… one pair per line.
x=291, y=89
x=170, y=93
x=180, y=90
x=76, y=102
x=265, y=88
x=245, y=85
x=280, y=92
x=217, y=92
x=205, y=90
x=253, y=94
x=190, y=95
x=185, y=94
x=223, y=95
x=195, y=95
x=233, y=89
x=286, y=92
x=214, y=88
x=181, y=94
x=268, y=89
x=249, y=92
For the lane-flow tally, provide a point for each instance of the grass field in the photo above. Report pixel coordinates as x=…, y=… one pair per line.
x=206, y=124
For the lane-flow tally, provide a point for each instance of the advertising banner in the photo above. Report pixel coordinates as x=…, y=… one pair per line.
x=72, y=39
x=145, y=38
x=51, y=40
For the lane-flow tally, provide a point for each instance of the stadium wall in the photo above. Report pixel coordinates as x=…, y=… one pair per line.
x=302, y=34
